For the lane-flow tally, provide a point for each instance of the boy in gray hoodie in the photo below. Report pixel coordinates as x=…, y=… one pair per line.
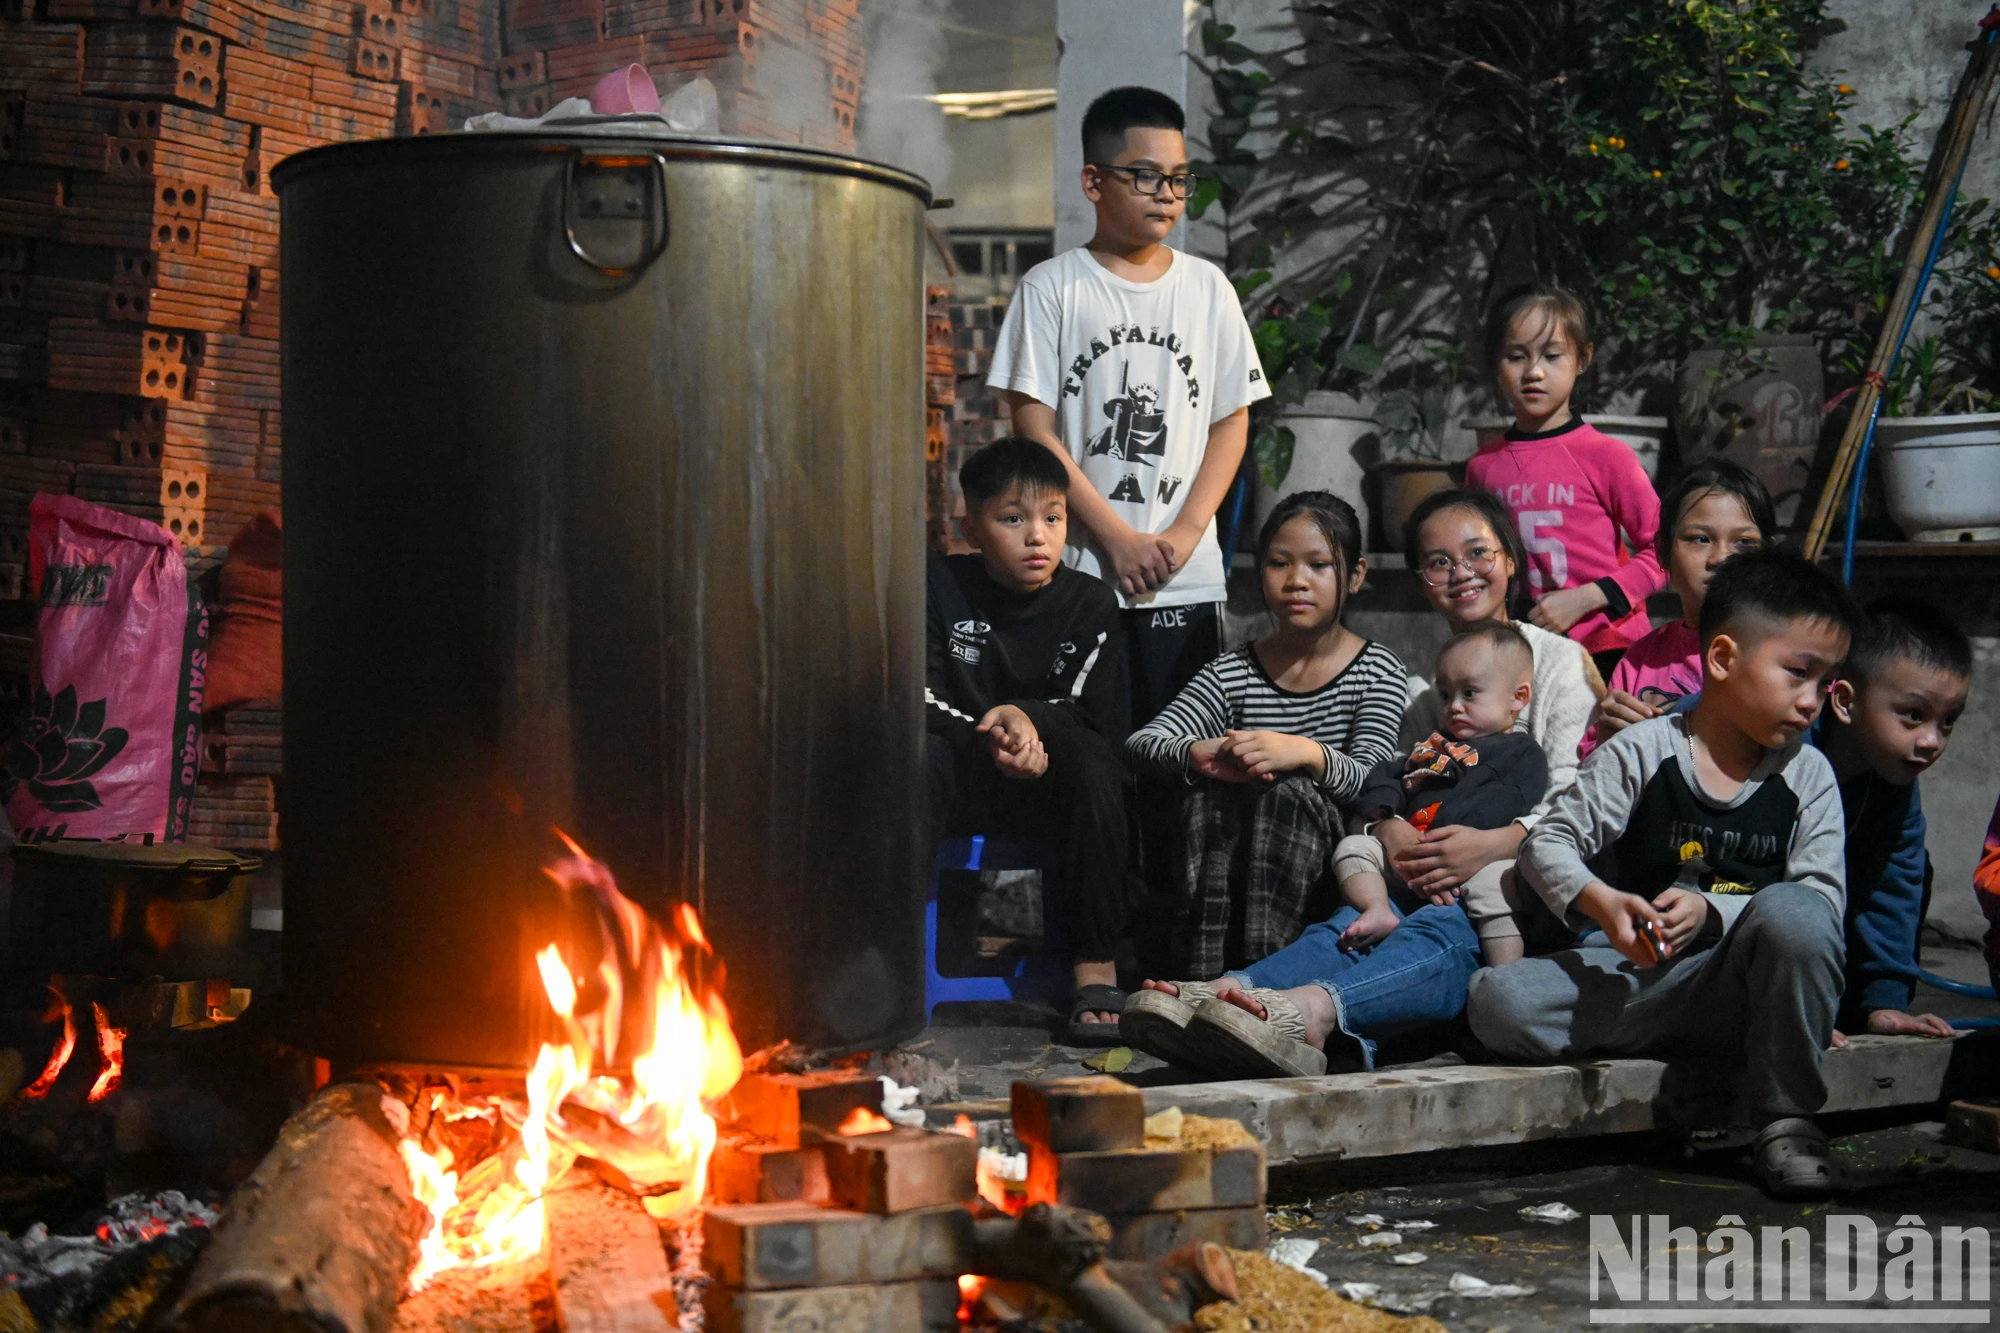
x=1708, y=847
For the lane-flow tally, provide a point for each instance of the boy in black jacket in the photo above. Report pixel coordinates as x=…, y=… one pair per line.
x=1478, y=771
x=1026, y=702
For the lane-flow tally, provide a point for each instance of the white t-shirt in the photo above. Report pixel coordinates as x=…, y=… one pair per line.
x=1137, y=373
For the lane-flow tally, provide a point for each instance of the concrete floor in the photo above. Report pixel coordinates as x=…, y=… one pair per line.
x=1892, y=1165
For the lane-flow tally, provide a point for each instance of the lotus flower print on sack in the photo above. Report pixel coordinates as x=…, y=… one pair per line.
x=60, y=747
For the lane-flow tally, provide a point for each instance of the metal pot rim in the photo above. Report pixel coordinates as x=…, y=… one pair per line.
x=186, y=857
x=596, y=134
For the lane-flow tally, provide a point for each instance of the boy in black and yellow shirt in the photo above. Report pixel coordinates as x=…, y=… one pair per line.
x=1708, y=846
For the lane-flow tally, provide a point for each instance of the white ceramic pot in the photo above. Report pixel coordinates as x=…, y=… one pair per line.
x=1327, y=428
x=1642, y=435
x=1942, y=475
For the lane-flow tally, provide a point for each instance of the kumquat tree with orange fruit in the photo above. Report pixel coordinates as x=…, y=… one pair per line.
x=1713, y=185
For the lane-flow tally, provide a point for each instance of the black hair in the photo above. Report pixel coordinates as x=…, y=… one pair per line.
x=1910, y=629
x=1720, y=476
x=1335, y=519
x=1498, y=517
x=1010, y=462
x=1502, y=636
x=1562, y=305
x=1127, y=108
x=1777, y=585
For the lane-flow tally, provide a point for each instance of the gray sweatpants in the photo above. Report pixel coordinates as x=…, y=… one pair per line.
x=1763, y=999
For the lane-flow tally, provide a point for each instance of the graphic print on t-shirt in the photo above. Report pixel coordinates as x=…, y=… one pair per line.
x=1138, y=374
x=1676, y=839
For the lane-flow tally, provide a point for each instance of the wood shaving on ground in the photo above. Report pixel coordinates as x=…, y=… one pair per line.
x=1272, y=1298
x=1195, y=1133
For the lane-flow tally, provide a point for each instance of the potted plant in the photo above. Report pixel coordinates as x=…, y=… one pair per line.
x=1938, y=445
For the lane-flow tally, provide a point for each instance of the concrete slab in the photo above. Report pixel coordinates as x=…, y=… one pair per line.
x=1391, y=1112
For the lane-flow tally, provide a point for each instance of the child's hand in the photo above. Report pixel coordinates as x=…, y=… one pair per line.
x=1141, y=561
x=1894, y=1022
x=1619, y=710
x=1024, y=766
x=1213, y=759
x=1681, y=916
x=1265, y=754
x=1017, y=746
x=1557, y=611
x=1620, y=915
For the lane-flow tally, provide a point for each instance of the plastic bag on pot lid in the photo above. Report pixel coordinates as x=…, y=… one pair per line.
x=111, y=742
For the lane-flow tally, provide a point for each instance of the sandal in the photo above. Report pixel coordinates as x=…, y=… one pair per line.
x=1095, y=999
x=1234, y=1043
x=1792, y=1162
x=1156, y=1022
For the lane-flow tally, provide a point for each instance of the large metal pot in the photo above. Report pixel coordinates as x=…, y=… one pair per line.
x=604, y=510
x=131, y=910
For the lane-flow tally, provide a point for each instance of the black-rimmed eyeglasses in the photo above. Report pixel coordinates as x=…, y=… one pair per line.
x=1150, y=182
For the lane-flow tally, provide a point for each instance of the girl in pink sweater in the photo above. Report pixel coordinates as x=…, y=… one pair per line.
x=1571, y=488
x=1716, y=509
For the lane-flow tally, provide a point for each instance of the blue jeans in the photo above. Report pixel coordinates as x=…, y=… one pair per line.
x=1413, y=979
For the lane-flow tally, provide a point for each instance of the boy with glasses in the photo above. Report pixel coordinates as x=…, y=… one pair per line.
x=1133, y=362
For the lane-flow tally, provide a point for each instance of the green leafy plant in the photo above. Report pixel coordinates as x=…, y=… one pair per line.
x=1708, y=187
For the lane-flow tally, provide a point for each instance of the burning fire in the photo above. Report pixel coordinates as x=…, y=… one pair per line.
x=111, y=1050
x=650, y=1006
x=65, y=1047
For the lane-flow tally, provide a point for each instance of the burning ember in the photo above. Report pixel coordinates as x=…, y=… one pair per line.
x=652, y=1006
x=861, y=1120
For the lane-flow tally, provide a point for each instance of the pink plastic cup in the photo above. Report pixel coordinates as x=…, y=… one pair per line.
x=624, y=91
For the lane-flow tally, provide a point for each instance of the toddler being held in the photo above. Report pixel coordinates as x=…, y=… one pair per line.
x=1476, y=771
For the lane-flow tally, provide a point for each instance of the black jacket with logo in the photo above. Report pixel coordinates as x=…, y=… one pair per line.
x=1058, y=653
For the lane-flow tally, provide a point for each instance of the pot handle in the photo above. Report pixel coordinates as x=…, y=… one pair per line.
x=595, y=207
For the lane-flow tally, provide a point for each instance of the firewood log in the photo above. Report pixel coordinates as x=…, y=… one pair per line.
x=321, y=1237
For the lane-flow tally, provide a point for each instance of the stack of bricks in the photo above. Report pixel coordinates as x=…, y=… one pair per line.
x=782, y=69
x=975, y=415
x=940, y=392
x=235, y=795
x=813, y=1227
x=1089, y=1146
x=139, y=231
x=139, y=364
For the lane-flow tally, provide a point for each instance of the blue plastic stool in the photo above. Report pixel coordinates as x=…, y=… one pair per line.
x=1036, y=977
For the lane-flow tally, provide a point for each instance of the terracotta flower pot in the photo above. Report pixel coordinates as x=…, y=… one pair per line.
x=1399, y=487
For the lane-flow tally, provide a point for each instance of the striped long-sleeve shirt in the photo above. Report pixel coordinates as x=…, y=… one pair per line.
x=1354, y=716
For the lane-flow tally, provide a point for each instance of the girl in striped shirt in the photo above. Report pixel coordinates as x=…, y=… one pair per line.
x=1274, y=739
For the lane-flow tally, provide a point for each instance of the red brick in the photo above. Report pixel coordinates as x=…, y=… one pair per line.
x=1092, y=1114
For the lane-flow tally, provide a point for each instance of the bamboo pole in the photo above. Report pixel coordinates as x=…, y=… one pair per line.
x=1954, y=142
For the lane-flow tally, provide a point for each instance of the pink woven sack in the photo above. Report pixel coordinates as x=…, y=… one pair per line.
x=111, y=743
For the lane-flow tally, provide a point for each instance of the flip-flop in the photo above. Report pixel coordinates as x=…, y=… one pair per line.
x=1234, y=1043
x=1792, y=1162
x=1095, y=999
x=1154, y=1021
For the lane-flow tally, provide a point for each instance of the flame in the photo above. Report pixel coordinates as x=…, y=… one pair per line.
x=970, y=1288
x=65, y=1046
x=111, y=1050
x=861, y=1120
x=650, y=1006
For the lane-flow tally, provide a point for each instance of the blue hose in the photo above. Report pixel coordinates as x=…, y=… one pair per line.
x=1902, y=334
